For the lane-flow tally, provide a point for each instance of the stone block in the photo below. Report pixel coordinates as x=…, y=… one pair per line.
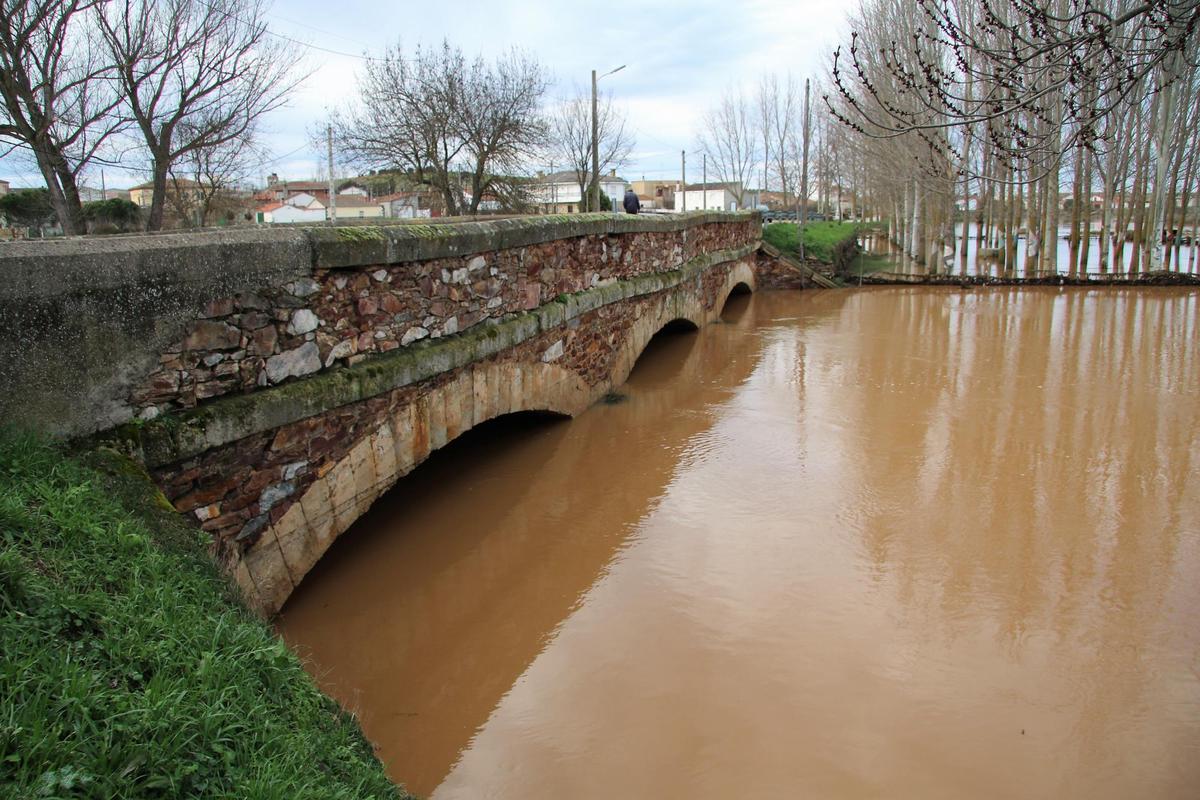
x=480, y=394
x=297, y=545
x=341, y=495
x=452, y=405
x=420, y=428
x=402, y=431
x=302, y=360
x=303, y=321
x=516, y=388
x=362, y=463
x=318, y=513
x=383, y=450
x=272, y=581
x=246, y=585
x=210, y=335
x=436, y=402
x=504, y=397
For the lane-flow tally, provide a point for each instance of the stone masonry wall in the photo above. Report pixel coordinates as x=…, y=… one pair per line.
x=339, y=316
x=266, y=484
x=97, y=331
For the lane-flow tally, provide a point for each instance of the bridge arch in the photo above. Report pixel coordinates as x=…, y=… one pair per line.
x=285, y=552
x=437, y=412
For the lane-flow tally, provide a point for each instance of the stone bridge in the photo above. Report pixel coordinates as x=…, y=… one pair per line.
x=276, y=382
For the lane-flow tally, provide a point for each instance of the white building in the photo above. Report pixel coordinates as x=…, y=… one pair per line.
x=286, y=212
x=715, y=197
x=558, y=192
x=406, y=205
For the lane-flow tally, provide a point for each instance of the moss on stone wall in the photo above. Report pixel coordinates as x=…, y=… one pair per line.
x=178, y=435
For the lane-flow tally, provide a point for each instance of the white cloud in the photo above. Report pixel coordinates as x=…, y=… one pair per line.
x=680, y=56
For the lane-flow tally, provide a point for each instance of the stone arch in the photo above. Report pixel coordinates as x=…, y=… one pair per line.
x=741, y=279
x=439, y=412
x=285, y=552
x=683, y=305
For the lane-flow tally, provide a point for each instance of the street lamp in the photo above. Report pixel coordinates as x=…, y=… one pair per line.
x=595, y=200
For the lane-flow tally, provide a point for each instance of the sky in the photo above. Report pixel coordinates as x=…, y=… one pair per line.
x=680, y=55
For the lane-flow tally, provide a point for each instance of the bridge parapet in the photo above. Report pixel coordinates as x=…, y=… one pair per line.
x=95, y=332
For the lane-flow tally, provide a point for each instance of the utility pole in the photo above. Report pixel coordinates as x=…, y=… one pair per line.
x=103, y=190
x=683, y=179
x=332, y=192
x=704, y=181
x=804, y=174
x=595, y=188
x=594, y=203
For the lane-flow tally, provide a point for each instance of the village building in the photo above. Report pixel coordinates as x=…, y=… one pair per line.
x=558, y=192
x=717, y=197
x=408, y=205
x=353, y=206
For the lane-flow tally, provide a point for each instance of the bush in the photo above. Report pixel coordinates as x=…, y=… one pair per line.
x=28, y=207
x=127, y=666
x=111, y=216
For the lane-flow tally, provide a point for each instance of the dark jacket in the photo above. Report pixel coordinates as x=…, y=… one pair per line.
x=632, y=204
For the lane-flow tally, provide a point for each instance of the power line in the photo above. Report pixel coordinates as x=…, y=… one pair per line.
x=287, y=38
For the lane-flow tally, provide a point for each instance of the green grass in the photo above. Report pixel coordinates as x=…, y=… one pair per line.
x=819, y=237
x=128, y=668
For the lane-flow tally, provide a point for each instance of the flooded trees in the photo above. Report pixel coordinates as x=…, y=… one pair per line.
x=1037, y=106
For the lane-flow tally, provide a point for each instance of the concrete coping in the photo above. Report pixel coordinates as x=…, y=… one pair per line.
x=282, y=249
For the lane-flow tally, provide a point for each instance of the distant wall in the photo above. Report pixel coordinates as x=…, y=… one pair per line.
x=96, y=332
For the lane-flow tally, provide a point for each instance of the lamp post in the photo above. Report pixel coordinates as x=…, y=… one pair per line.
x=595, y=199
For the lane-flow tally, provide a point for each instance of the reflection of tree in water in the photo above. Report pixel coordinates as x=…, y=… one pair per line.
x=1043, y=442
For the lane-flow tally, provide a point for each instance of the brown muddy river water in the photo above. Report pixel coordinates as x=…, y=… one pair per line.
x=914, y=543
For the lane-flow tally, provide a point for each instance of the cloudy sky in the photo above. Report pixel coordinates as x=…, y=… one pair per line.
x=680, y=56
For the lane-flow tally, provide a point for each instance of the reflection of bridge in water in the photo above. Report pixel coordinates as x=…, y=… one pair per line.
x=436, y=601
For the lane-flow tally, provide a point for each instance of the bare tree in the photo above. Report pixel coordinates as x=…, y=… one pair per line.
x=777, y=108
x=452, y=124
x=58, y=96
x=201, y=181
x=571, y=137
x=196, y=74
x=501, y=121
x=729, y=139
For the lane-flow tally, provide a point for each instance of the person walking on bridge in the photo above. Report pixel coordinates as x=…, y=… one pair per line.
x=632, y=204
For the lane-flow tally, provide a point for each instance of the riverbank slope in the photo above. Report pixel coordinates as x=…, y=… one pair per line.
x=128, y=667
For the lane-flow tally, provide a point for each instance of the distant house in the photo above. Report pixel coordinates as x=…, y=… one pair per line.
x=303, y=200
x=353, y=189
x=558, y=192
x=717, y=197
x=354, y=207
x=143, y=193
x=4, y=187
x=655, y=194
x=407, y=205
x=285, y=212
x=278, y=191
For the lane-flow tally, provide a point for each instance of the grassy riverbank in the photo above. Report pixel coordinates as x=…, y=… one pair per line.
x=128, y=668
x=820, y=238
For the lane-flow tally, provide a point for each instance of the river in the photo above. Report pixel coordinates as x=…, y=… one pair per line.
x=895, y=542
